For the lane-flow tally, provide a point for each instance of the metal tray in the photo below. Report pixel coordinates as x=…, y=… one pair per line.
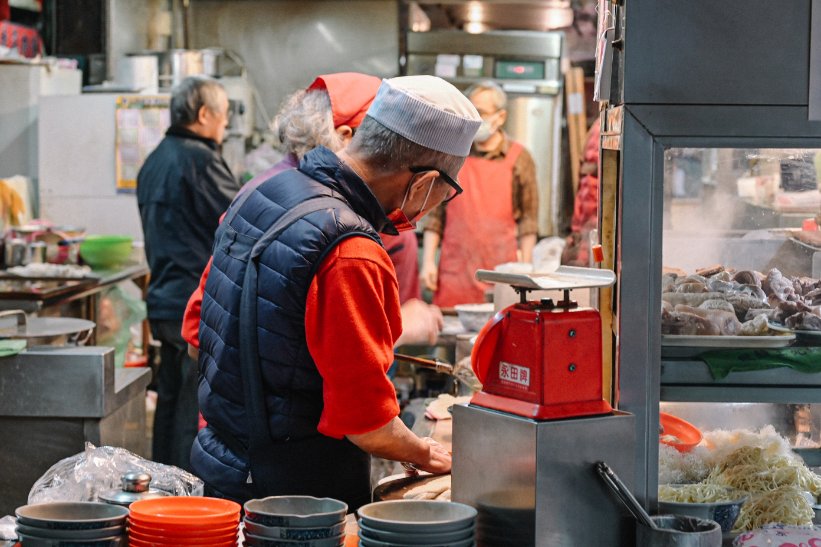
x=565, y=277
x=678, y=340
x=800, y=333
x=396, y=489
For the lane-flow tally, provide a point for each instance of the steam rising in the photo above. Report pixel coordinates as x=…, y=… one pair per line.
x=706, y=222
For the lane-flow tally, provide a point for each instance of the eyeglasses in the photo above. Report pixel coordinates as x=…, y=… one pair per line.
x=454, y=189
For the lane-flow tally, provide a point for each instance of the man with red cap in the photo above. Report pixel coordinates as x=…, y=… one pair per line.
x=327, y=113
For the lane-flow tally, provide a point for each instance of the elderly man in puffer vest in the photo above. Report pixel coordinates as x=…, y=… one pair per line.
x=301, y=309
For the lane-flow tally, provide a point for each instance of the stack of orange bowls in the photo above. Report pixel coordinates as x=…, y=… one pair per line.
x=183, y=521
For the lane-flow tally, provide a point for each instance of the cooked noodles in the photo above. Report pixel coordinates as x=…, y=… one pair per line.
x=696, y=493
x=785, y=505
x=777, y=485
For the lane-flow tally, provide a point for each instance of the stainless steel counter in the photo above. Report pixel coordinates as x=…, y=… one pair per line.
x=55, y=399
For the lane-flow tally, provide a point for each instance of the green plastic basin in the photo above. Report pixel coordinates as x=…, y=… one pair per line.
x=105, y=251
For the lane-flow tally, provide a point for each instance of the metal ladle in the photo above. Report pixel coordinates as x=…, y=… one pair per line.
x=462, y=375
x=609, y=476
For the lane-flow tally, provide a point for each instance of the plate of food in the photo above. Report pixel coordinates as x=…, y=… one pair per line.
x=795, y=331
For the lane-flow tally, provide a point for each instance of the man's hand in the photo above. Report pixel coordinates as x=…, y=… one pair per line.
x=439, y=461
x=394, y=441
x=421, y=323
x=429, y=276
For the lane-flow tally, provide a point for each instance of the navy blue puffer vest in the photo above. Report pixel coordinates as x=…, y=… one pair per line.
x=291, y=383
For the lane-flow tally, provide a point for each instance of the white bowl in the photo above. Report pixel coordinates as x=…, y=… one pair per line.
x=474, y=316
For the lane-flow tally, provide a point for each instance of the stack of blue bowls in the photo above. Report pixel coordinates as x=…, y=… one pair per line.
x=294, y=521
x=400, y=523
x=69, y=524
x=506, y=519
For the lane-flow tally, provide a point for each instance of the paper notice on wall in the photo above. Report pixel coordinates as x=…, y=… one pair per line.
x=141, y=122
x=472, y=65
x=575, y=103
x=447, y=66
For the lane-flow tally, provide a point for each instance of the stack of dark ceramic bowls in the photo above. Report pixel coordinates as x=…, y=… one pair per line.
x=415, y=522
x=291, y=521
x=506, y=519
x=66, y=524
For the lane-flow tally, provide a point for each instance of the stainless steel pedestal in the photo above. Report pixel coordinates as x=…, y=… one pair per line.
x=501, y=459
x=53, y=400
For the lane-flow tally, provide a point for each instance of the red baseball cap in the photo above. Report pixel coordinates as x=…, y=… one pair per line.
x=351, y=94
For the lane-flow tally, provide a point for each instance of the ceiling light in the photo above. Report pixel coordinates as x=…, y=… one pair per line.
x=475, y=27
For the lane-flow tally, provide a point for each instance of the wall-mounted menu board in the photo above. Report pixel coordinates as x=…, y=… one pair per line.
x=141, y=123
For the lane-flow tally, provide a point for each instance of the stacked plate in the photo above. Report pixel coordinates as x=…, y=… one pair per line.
x=67, y=524
x=182, y=521
x=507, y=519
x=294, y=521
x=416, y=522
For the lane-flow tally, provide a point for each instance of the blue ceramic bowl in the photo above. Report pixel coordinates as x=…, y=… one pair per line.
x=284, y=532
x=296, y=511
x=725, y=513
x=74, y=515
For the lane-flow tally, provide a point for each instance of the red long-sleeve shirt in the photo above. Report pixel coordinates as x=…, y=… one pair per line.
x=352, y=319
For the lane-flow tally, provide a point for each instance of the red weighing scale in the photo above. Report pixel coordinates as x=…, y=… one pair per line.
x=542, y=359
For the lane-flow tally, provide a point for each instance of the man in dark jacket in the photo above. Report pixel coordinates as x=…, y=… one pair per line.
x=182, y=189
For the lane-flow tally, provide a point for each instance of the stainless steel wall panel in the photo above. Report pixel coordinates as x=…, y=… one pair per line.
x=516, y=44
x=814, y=98
x=287, y=43
x=536, y=122
x=498, y=453
x=639, y=290
x=753, y=52
x=743, y=124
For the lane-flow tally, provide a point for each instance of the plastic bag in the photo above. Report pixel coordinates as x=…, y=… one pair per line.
x=84, y=476
x=7, y=529
x=118, y=313
x=547, y=254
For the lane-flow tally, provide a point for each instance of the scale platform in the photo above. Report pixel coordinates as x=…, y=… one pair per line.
x=564, y=278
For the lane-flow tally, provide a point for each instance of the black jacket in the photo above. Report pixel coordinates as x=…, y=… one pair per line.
x=182, y=189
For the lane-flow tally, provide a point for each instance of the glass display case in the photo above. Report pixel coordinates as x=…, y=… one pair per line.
x=709, y=148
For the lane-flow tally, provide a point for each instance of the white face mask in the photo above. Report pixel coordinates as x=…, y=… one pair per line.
x=487, y=129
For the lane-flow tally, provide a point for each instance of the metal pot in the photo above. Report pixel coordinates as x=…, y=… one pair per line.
x=45, y=331
x=136, y=486
x=184, y=63
x=679, y=531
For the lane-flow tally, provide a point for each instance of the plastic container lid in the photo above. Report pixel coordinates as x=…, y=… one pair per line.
x=675, y=432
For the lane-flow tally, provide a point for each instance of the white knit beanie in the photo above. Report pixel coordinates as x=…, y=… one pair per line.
x=428, y=111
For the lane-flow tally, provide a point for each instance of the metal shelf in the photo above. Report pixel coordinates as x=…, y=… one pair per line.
x=689, y=380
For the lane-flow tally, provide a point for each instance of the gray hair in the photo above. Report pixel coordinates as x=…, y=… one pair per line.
x=499, y=95
x=388, y=151
x=306, y=121
x=190, y=95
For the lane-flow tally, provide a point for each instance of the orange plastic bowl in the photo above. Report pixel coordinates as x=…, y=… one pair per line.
x=186, y=511
x=171, y=542
x=184, y=540
x=150, y=529
x=675, y=432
